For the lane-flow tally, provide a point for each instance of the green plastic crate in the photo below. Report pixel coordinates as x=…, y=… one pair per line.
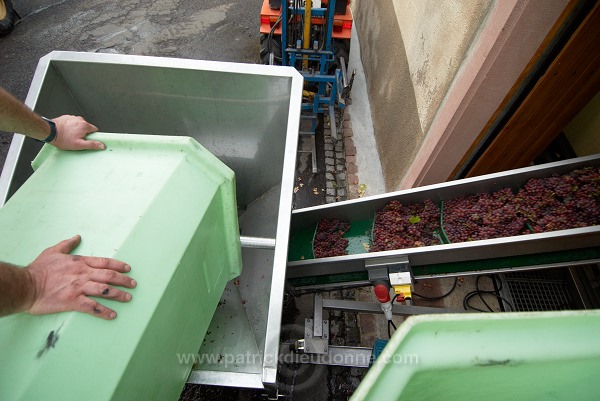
x=164, y=205
x=508, y=356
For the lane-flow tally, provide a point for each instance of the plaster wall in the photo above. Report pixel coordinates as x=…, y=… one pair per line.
x=411, y=51
x=583, y=132
x=437, y=35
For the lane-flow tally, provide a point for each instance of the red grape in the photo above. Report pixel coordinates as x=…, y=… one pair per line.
x=400, y=226
x=561, y=202
x=329, y=239
x=482, y=216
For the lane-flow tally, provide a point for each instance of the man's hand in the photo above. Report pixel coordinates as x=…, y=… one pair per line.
x=71, y=130
x=63, y=282
x=71, y=133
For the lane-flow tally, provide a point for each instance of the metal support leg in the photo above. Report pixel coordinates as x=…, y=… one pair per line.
x=318, y=316
x=315, y=344
x=314, y=155
x=332, y=124
x=316, y=331
x=312, y=151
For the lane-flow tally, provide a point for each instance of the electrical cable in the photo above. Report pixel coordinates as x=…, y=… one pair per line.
x=270, y=37
x=323, y=34
x=390, y=323
x=479, y=292
x=295, y=23
x=441, y=296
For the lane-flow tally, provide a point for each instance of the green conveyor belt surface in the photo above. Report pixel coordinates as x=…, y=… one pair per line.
x=358, y=236
x=301, y=241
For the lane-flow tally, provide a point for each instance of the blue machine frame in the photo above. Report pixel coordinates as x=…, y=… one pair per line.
x=322, y=102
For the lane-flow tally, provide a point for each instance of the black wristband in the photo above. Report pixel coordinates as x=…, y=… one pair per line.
x=52, y=135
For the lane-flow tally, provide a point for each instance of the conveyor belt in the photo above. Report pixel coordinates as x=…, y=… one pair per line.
x=524, y=252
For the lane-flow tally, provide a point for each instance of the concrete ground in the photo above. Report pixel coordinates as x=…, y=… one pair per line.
x=207, y=30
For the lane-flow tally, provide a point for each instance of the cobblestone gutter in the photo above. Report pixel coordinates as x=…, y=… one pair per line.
x=335, y=169
x=341, y=177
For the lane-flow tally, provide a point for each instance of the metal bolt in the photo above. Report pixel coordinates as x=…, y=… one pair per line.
x=325, y=349
x=306, y=349
x=324, y=335
x=307, y=334
x=325, y=321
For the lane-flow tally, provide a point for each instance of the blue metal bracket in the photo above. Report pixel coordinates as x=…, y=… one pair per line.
x=328, y=88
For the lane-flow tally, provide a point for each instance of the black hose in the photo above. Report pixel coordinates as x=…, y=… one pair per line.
x=390, y=323
x=480, y=293
x=441, y=296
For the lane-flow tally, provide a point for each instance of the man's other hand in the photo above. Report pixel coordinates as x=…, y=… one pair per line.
x=64, y=282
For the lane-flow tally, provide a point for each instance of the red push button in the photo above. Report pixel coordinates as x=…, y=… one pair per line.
x=382, y=293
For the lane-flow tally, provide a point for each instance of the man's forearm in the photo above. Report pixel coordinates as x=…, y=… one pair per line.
x=16, y=289
x=16, y=117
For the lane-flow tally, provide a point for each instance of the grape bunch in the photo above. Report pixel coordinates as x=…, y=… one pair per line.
x=561, y=202
x=329, y=239
x=482, y=216
x=543, y=204
x=399, y=226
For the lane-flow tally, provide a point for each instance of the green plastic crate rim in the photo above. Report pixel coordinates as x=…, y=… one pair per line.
x=521, y=356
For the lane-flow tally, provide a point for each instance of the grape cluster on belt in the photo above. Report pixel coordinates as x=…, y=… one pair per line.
x=543, y=204
x=483, y=216
x=562, y=201
x=329, y=239
x=400, y=226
